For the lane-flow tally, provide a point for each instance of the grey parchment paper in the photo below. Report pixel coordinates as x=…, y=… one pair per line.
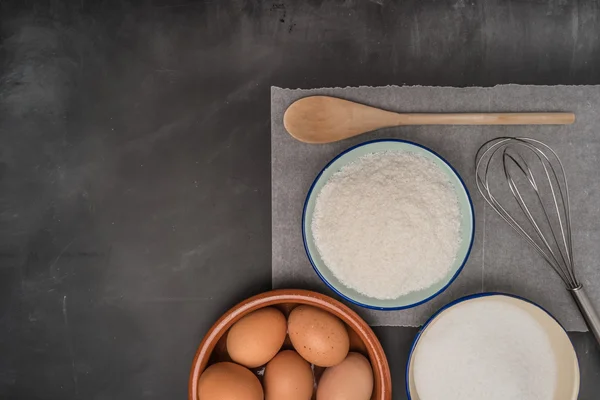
x=499, y=261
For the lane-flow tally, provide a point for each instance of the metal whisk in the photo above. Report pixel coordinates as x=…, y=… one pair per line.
x=539, y=209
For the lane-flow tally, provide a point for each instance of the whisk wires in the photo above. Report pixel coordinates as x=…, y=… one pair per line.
x=546, y=217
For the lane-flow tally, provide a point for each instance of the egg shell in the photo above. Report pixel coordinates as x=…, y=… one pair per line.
x=256, y=338
x=288, y=376
x=318, y=336
x=352, y=379
x=229, y=381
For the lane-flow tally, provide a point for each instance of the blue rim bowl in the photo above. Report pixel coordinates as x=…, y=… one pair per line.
x=569, y=377
x=414, y=298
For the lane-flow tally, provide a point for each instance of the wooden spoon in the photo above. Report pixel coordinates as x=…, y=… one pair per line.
x=324, y=119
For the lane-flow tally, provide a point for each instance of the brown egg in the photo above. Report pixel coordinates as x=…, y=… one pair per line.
x=288, y=376
x=352, y=379
x=318, y=336
x=229, y=381
x=257, y=337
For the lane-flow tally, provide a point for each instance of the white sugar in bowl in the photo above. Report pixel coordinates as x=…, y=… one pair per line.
x=492, y=346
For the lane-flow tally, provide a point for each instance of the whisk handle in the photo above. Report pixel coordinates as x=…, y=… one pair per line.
x=588, y=311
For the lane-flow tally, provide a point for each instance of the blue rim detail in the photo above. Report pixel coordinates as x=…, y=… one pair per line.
x=455, y=302
x=329, y=285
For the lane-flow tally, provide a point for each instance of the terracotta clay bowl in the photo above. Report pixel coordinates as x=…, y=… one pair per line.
x=362, y=339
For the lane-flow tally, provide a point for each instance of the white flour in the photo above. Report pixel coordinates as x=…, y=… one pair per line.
x=388, y=224
x=489, y=350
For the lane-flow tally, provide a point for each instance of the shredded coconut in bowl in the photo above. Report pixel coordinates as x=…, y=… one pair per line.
x=388, y=224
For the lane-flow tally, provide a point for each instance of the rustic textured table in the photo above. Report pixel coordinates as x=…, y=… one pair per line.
x=134, y=161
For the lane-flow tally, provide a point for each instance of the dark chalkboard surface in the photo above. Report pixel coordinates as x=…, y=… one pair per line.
x=134, y=161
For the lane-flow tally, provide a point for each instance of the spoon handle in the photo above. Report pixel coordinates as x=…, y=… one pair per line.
x=487, y=119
